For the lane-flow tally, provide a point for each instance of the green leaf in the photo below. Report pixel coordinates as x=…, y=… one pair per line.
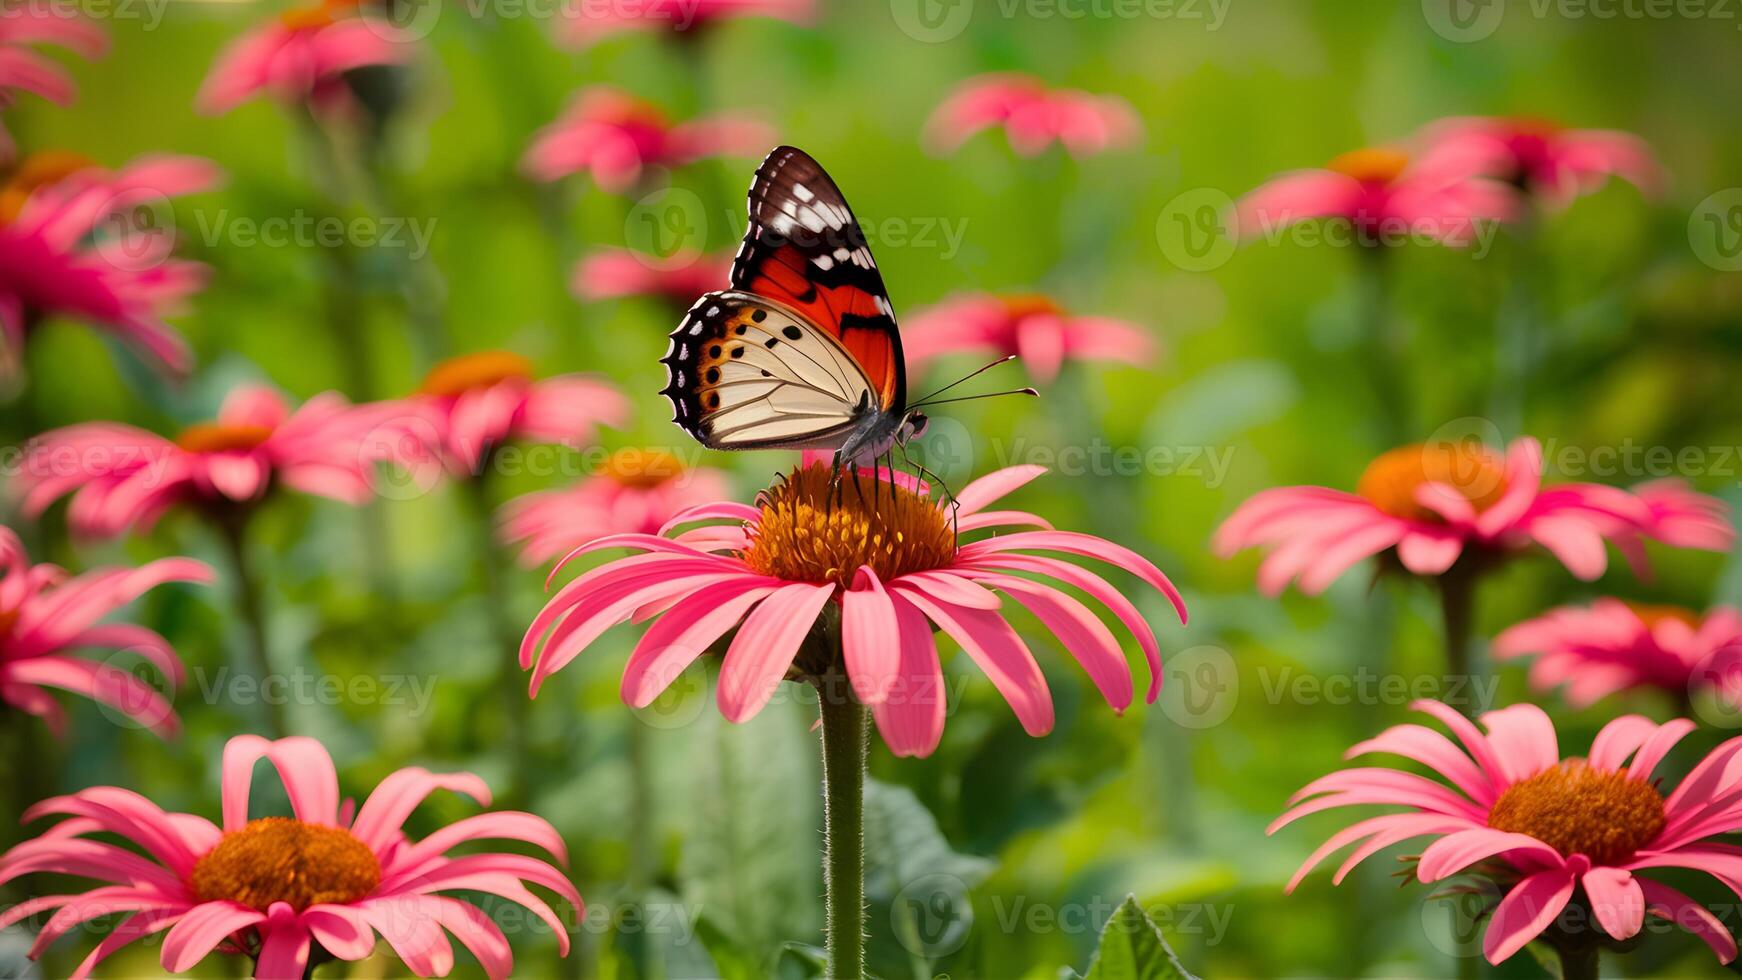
x=916, y=885
x=1132, y=948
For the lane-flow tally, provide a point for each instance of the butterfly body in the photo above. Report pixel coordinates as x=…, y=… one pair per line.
x=803, y=351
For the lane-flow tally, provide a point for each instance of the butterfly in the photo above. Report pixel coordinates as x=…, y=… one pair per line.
x=803, y=351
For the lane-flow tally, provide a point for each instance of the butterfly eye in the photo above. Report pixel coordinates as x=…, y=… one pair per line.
x=916, y=423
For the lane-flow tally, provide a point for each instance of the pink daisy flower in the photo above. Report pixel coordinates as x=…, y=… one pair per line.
x=1032, y=116
x=301, y=56
x=69, y=246
x=476, y=402
x=883, y=560
x=635, y=492
x=22, y=69
x=1426, y=506
x=45, y=616
x=1547, y=830
x=121, y=477
x=586, y=22
x=616, y=138
x=288, y=891
x=1540, y=156
x=1612, y=645
x=614, y=273
x=1383, y=197
x=1034, y=328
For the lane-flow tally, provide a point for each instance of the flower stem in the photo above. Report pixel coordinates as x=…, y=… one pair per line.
x=233, y=526
x=1457, y=607
x=1578, y=962
x=846, y=730
x=1381, y=345
x=509, y=689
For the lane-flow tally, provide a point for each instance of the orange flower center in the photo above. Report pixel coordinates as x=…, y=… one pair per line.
x=1030, y=305
x=36, y=171
x=1373, y=165
x=642, y=467
x=1651, y=614
x=814, y=530
x=459, y=375
x=215, y=437
x=277, y=859
x=314, y=16
x=1390, y=482
x=8, y=619
x=1575, y=809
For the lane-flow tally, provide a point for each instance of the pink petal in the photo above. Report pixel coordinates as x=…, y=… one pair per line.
x=1616, y=900
x=870, y=638
x=765, y=647
x=1452, y=854
x=911, y=717
x=681, y=635
x=999, y=483
x=1525, y=912
x=201, y=930
x=384, y=812
x=990, y=642
x=1670, y=904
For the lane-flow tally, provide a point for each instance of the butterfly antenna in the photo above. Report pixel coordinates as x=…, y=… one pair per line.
x=990, y=394
x=977, y=372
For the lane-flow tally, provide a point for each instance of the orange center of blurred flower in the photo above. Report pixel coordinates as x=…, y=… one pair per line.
x=36, y=171
x=1390, y=482
x=316, y=15
x=1651, y=614
x=811, y=531
x=1533, y=125
x=459, y=375
x=215, y=437
x=1373, y=165
x=277, y=859
x=1575, y=809
x=642, y=467
x=1018, y=307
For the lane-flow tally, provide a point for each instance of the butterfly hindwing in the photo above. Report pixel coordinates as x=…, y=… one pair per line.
x=747, y=373
x=805, y=249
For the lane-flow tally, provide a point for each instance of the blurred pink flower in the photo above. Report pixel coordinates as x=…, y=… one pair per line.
x=1429, y=505
x=471, y=404
x=71, y=244
x=45, y=616
x=22, y=69
x=585, y=22
x=617, y=272
x=1539, y=156
x=1546, y=830
x=301, y=56
x=616, y=137
x=635, y=492
x=1034, y=328
x=121, y=477
x=288, y=891
x=1032, y=116
x=892, y=568
x=1385, y=199
x=1611, y=645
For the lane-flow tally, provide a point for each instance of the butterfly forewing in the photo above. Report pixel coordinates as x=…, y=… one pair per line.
x=747, y=373
x=805, y=249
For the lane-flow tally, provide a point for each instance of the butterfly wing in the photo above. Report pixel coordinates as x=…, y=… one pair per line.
x=744, y=372
x=805, y=250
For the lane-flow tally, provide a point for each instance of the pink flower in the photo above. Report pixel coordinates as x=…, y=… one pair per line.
x=1429, y=505
x=882, y=557
x=22, y=69
x=69, y=246
x=45, y=616
x=1383, y=197
x=476, y=402
x=121, y=477
x=1547, y=830
x=1612, y=645
x=280, y=889
x=617, y=137
x=301, y=56
x=1540, y=156
x=588, y=21
x=1033, y=117
x=1034, y=328
x=635, y=492
x=613, y=273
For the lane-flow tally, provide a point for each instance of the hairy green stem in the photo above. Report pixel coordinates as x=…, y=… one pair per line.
x=846, y=730
x=251, y=605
